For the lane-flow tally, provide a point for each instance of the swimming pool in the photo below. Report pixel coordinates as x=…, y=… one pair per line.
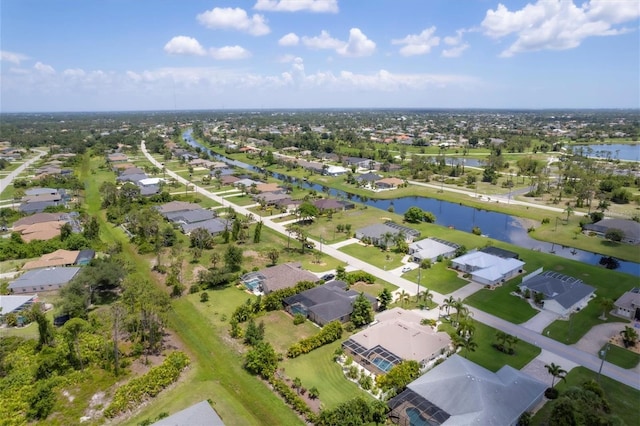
x=382, y=364
x=253, y=284
x=415, y=419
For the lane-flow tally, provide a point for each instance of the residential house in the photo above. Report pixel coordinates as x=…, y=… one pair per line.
x=368, y=179
x=325, y=303
x=325, y=204
x=117, y=157
x=486, y=268
x=362, y=163
x=497, y=251
x=176, y=206
x=271, y=198
x=396, y=335
x=376, y=233
x=15, y=304
x=39, y=231
x=562, y=294
x=277, y=277
x=229, y=180
x=628, y=305
x=47, y=279
x=335, y=171
x=40, y=218
x=59, y=257
x=388, y=183
x=38, y=199
x=215, y=226
x=630, y=229
x=200, y=414
x=431, y=249
x=268, y=187
x=460, y=392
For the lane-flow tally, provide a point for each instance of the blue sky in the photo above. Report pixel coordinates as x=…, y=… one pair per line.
x=102, y=55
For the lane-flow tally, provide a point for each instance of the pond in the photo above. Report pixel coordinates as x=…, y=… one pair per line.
x=615, y=151
x=498, y=226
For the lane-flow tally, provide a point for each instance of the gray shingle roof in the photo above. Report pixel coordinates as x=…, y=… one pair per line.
x=473, y=395
x=44, y=277
x=630, y=228
x=190, y=216
x=200, y=414
x=214, y=226
x=565, y=290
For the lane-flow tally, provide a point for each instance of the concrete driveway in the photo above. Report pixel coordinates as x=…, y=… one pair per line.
x=540, y=321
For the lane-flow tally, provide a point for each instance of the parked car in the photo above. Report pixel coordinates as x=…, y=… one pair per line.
x=327, y=277
x=406, y=269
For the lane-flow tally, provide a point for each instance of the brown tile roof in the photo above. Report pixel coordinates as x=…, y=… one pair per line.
x=268, y=187
x=57, y=258
x=39, y=231
x=284, y=276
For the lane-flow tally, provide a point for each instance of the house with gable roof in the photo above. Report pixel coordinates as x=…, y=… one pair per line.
x=487, y=269
x=562, y=294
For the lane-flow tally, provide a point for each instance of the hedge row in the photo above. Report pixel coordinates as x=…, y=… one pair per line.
x=357, y=276
x=329, y=333
x=148, y=385
x=292, y=399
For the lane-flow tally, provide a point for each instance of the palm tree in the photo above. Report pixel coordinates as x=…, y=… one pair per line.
x=386, y=237
x=502, y=338
x=512, y=341
x=607, y=305
x=466, y=327
x=466, y=343
x=448, y=303
x=403, y=297
x=629, y=336
x=426, y=296
x=556, y=372
x=569, y=211
x=460, y=309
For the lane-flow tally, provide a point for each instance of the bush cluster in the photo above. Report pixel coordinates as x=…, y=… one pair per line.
x=357, y=276
x=292, y=399
x=149, y=385
x=330, y=333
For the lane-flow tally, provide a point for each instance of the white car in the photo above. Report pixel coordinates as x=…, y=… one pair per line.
x=406, y=269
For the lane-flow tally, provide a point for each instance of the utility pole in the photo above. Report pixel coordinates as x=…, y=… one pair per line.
x=603, y=357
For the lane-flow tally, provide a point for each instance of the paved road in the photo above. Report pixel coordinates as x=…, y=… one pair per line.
x=6, y=181
x=572, y=354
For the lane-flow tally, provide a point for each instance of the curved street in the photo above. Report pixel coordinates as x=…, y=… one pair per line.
x=559, y=350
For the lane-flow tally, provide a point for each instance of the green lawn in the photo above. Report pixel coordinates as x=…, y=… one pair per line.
x=621, y=357
x=624, y=400
x=375, y=256
x=373, y=289
x=282, y=333
x=489, y=357
x=438, y=278
x=501, y=303
x=318, y=369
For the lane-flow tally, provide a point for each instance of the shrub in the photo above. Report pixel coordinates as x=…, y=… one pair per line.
x=298, y=319
x=204, y=297
x=551, y=393
x=329, y=333
x=147, y=386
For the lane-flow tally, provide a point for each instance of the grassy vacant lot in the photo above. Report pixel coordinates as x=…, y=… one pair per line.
x=282, y=333
x=624, y=400
x=375, y=256
x=438, y=278
x=318, y=369
x=373, y=289
x=502, y=304
x=491, y=358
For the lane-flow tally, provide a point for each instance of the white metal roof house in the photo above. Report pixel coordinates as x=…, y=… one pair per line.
x=460, y=392
x=486, y=268
x=431, y=248
x=628, y=305
x=562, y=294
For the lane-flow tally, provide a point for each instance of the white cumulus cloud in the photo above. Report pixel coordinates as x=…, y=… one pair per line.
x=14, y=58
x=323, y=41
x=183, y=45
x=290, y=39
x=230, y=18
x=44, y=68
x=74, y=72
x=457, y=45
x=557, y=24
x=358, y=45
x=317, y=6
x=418, y=44
x=229, y=53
